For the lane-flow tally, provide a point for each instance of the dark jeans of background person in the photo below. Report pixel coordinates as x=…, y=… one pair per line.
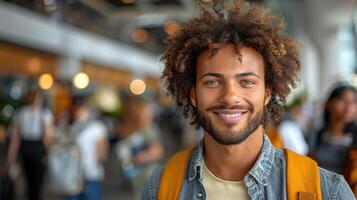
x=32, y=154
x=92, y=191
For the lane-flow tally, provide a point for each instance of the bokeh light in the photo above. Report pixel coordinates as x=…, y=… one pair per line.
x=45, y=81
x=137, y=86
x=81, y=80
x=171, y=27
x=140, y=35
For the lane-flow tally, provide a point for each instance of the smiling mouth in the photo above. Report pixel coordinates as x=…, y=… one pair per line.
x=230, y=116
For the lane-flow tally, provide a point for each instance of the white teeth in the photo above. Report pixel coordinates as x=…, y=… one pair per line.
x=230, y=115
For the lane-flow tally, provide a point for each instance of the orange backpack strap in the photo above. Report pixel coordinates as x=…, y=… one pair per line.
x=275, y=138
x=173, y=175
x=303, y=177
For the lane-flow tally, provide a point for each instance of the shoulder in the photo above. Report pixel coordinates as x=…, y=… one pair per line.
x=47, y=115
x=22, y=110
x=334, y=186
x=96, y=128
x=46, y=111
x=97, y=125
x=279, y=154
x=152, y=185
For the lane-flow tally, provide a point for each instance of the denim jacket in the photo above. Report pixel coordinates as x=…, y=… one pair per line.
x=265, y=180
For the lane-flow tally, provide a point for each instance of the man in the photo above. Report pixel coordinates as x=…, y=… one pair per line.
x=231, y=71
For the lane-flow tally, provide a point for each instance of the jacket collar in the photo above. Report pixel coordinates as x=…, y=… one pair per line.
x=260, y=171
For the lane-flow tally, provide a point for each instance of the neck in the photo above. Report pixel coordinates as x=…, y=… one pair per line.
x=83, y=117
x=232, y=162
x=336, y=128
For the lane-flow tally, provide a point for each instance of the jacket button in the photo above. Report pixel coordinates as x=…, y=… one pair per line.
x=199, y=194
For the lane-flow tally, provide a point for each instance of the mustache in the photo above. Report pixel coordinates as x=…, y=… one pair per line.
x=225, y=106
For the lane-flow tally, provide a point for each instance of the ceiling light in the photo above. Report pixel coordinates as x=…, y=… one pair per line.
x=140, y=35
x=137, y=86
x=81, y=80
x=171, y=27
x=45, y=81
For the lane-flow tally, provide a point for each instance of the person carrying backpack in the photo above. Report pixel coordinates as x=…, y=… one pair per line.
x=231, y=69
x=91, y=137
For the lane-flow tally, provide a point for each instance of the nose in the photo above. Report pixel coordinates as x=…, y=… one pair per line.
x=230, y=94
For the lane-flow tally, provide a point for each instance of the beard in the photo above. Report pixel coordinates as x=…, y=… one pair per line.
x=230, y=137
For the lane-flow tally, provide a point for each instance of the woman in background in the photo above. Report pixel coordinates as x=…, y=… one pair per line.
x=32, y=135
x=338, y=134
x=140, y=148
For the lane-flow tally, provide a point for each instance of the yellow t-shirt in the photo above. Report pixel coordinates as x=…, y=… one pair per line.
x=217, y=189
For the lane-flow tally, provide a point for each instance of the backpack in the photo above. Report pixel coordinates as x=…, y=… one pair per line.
x=303, y=178
x=275, y=138
x=65, y=167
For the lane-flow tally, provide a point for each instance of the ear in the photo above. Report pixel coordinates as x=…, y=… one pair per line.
x=193, y=97
x=267, y=96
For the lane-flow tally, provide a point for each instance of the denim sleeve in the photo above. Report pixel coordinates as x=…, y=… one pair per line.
x=334, y=186
x=152, y=185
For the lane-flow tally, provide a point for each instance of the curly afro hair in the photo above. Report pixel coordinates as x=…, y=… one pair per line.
x=240, y=24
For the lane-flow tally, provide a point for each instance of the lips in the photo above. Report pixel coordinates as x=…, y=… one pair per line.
x=230, y=116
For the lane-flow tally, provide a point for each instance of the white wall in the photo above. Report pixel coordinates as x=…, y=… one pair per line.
x=322, y=19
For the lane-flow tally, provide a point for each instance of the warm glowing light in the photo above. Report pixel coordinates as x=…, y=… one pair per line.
x=171, y=27
x=45, y=81
x=127, y=1
x=140, y=35
x=137, y=86
x=34, y=65
x=81, y=80
x=107, y=99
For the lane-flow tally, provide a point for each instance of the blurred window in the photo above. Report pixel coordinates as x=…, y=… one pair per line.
x=347, y=51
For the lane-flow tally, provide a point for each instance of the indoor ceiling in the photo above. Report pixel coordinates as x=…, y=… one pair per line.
x=141, y=23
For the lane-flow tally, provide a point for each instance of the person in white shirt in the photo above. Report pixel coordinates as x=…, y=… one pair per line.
x=33, y=133
x=92, y=139
x=291, y=131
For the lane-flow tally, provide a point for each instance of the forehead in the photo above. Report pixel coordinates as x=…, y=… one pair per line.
x=226, y=59
x=348, y=94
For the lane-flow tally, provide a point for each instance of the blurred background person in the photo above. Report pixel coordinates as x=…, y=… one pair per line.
x=333, y=141
x=290, y=129
x=32, y=135
x=140, y=148
x=172, y=126
x=91, y=137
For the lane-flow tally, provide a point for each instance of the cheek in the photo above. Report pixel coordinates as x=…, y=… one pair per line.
x=351, y=111
x=337, y=108
x=256, y=97
x=206, y=97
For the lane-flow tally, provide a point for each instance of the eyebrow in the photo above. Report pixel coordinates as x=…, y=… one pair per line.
x=245, y=74
x=239, y=75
